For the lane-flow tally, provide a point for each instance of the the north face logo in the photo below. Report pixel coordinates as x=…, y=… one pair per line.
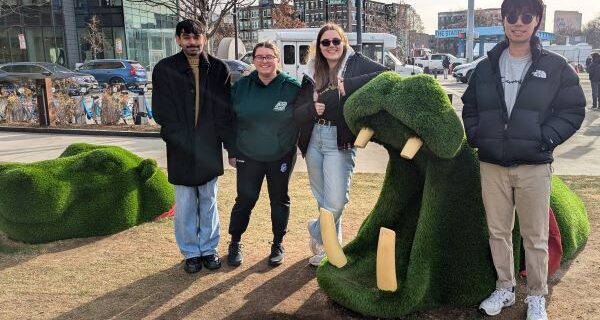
x=280, y=106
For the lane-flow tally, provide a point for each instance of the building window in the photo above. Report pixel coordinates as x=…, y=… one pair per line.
x=289, y=54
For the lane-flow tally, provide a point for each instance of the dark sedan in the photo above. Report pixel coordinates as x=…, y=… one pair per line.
x=237, y=69
x=13, y=72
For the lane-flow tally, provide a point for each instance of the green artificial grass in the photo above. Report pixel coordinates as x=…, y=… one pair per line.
x=571, y=217
x=433, y=203
x=87, y=191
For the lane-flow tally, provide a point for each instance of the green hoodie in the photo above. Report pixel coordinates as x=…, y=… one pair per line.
x=265, y=128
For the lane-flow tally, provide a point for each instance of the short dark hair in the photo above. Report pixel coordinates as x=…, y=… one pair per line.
x=535, y=7
x=190, y=26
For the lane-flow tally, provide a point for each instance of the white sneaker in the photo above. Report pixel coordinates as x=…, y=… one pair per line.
x=500, y=298
x=316, y=259
x=536, y=308
x=315, y=247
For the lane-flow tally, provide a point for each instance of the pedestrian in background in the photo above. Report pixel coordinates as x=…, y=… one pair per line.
x=594, y=73
x=446, y=66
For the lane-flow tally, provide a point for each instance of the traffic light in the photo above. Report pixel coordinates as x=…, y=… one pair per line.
x=461, y=35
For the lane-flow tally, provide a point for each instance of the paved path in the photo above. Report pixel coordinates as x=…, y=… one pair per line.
x=579, y=156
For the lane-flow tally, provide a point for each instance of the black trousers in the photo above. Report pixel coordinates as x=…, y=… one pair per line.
x=250, y=176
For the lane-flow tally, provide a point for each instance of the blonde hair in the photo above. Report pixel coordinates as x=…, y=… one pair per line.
x=323, y=75
x=268, y=45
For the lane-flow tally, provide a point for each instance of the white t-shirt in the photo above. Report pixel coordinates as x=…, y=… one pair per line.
x=512, y=71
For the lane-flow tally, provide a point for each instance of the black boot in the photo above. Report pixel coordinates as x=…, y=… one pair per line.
x=277, y=254
x=234, y=257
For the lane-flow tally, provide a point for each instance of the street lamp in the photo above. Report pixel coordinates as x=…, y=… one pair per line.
x=235, y=29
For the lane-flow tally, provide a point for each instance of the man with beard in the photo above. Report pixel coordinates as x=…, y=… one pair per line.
x=191, y=101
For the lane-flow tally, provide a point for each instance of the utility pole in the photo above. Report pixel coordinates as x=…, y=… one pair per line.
x=349, y=6
x=470, y=30
x=359, y=26
x=326, y=4
x=235, y=30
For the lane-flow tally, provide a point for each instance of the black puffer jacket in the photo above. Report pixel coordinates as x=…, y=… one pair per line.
x=357, y=71
x=550, y=107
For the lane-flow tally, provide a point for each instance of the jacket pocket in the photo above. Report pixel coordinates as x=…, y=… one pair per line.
x=491, y=125
x=525, y=125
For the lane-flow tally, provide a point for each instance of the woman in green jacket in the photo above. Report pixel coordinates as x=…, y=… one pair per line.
x=265, y=145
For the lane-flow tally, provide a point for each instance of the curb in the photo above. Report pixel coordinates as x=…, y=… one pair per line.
x=88, y=132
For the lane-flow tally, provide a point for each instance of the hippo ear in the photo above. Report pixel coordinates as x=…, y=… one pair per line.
x=77, y=148
x=146, y=169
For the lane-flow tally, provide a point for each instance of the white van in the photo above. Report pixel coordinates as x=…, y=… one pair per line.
x=294, y=45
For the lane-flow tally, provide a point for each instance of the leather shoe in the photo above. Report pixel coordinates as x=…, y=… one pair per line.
x=192, y=265
x=211, y=262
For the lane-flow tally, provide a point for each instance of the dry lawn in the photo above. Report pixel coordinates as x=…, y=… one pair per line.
x=137, y=273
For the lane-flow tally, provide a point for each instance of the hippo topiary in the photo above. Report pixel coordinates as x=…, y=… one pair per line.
x=88, y=190
x=432, y=203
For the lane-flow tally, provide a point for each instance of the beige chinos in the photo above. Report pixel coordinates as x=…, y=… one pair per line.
x=525, y=188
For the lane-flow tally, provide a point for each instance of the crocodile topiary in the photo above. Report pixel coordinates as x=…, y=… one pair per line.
x=88, y=190
x=432, y=202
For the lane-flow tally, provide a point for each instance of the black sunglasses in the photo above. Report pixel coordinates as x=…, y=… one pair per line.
x=526, y=18
x=326, y=42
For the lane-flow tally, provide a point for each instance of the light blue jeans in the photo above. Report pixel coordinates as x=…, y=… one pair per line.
x=197, y=219
x=329, y=174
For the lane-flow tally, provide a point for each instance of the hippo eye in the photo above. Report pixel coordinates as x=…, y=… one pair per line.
x=104, y=162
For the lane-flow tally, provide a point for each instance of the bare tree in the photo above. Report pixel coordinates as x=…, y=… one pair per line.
x=210, y=12
x=592, y=32
x=8, y=7
x=95, y=37
x=284, y=16
x=404, y=22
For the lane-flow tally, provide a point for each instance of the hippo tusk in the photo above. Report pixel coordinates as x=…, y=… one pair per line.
x=386, y=260
x=411, y=148
x=332, y=246
x=363, y=137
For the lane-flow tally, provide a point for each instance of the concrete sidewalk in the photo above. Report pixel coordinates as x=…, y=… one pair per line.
x=579, y=156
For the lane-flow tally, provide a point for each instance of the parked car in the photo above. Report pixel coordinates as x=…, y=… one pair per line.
x=12, y=72
x=463, y=72
x=237, y=69
x=116, y=71
x=434, y=61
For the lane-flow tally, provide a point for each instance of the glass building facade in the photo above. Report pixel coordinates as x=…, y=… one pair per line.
x=150, y=32
x=36, y=32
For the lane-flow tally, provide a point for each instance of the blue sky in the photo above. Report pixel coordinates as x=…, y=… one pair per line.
x=428, y=9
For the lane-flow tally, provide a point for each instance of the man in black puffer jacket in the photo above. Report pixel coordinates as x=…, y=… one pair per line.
x=521, y=103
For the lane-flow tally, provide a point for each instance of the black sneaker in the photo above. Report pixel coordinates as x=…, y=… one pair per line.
x=192, y=265
x=277, y=254
x=234, y=257
x=211, y=262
